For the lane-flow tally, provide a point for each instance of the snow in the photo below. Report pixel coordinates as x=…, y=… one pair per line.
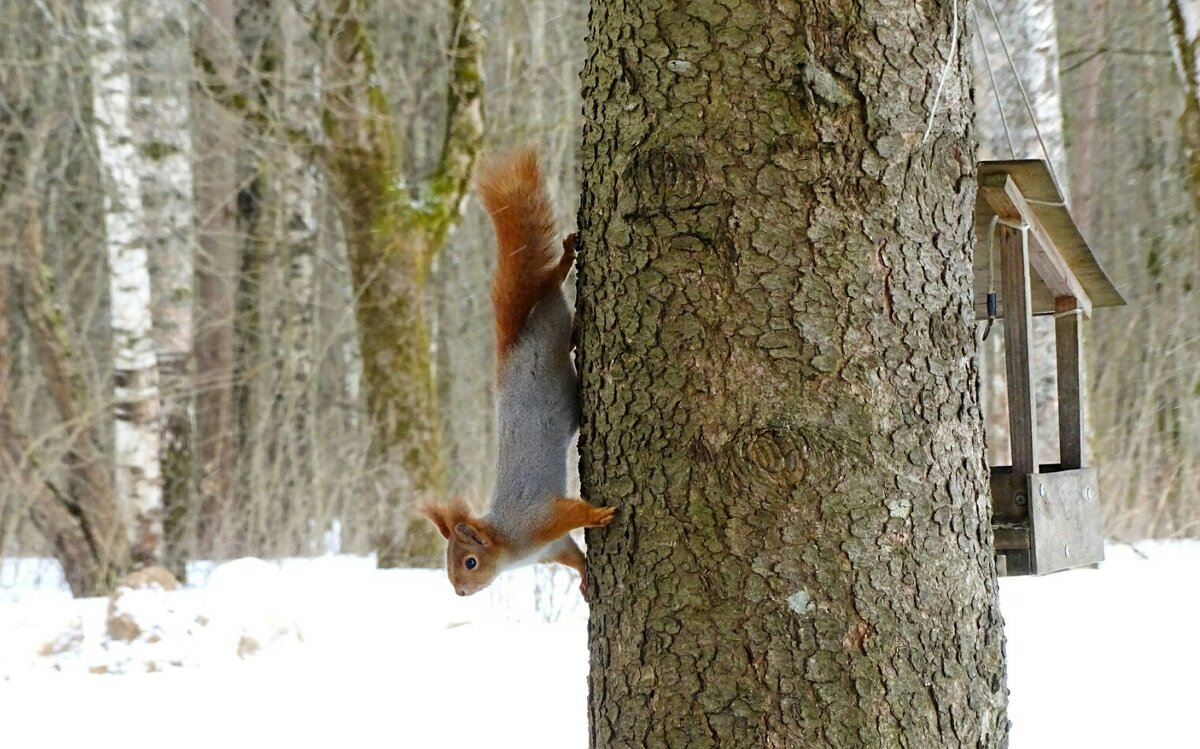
x=344, y=654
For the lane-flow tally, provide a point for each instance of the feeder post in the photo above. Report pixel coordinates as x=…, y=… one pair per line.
x=1018, y=335
x=1068, y=346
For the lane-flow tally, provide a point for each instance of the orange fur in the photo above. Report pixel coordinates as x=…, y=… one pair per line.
x=568, y=514
x=529, y=270
x=470, y=537
x=449, y=517
x=572, y=557
x=528, y=265
x=569, y=555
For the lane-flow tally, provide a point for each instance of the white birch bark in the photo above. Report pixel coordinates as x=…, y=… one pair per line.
x=159, y=36
x=1030, y=34
x=160, y=44
x=135, y=371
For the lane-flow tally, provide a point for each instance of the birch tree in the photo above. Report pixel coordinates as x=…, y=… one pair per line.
x=159, y=39
x=776, y=349
x=138, y=480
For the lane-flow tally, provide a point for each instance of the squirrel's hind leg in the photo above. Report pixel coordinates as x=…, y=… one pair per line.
x=566, y=261
x=566, y=552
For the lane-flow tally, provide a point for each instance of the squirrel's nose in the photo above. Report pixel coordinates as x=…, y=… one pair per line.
x=462, y=592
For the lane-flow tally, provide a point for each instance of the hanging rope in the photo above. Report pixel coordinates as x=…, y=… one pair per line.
x=992, y=305
x=937, y=96
x=1028, y=106
x=987, y=60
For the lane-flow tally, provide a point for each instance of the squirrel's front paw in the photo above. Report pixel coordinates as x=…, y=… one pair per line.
x=601, y=516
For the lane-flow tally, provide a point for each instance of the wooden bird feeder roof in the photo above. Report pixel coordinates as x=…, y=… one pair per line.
x=1023, y=192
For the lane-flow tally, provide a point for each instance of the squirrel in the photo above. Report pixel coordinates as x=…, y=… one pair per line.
x=537, y=394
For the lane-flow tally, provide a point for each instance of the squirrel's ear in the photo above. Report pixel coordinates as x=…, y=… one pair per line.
x=438, y=516
x=471, y=534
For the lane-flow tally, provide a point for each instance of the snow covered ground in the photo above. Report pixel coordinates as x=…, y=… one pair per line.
x=331, y=652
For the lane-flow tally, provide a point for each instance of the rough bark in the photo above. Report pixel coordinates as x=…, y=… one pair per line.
x=159, y=39
x=137, y=474
x=779, y=389
x=392, y=235
x=215, y=448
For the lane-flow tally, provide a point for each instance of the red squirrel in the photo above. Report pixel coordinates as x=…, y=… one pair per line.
x=537, y=394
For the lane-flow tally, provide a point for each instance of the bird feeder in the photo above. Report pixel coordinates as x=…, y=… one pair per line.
x=1045, y=517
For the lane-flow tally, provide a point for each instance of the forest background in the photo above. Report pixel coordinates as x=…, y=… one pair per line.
x=245, y=292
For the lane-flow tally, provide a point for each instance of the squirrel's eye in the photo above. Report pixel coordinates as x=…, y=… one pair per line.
x=470, y=563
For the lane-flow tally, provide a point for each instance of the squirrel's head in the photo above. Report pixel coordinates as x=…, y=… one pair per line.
x=474, y=549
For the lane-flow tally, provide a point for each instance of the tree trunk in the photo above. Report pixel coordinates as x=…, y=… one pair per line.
x=162, y=120
x=84, y=571
x=276, y=300
x=296, y=196
x=392, y=236
x=216, y=272
x=779, y=389
x=138, y=478
x=91, y=488
x=1183, y=16
x=83, y=527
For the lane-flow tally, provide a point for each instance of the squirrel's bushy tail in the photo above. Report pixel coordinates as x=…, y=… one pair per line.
x=528, y=264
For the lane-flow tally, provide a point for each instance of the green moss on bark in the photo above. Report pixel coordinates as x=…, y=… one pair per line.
x=392, y=237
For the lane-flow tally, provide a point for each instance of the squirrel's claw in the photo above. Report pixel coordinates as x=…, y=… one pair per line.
x=601, y=516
